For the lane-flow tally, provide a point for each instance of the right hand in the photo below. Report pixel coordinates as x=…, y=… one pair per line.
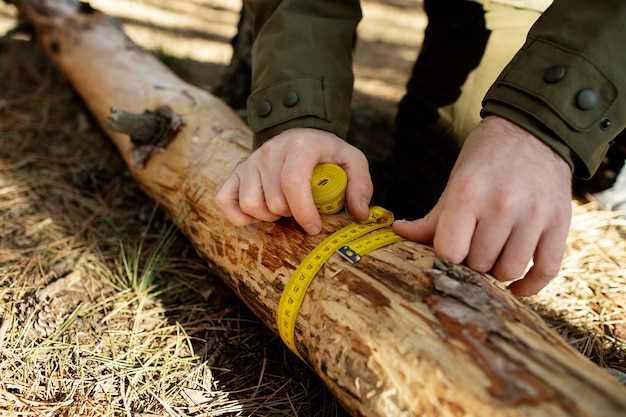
x=275, y=180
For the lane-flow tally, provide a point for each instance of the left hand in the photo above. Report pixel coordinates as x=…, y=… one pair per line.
x=507, y=202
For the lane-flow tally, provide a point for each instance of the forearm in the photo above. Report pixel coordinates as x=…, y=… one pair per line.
x=302, y=65
x=566, y=85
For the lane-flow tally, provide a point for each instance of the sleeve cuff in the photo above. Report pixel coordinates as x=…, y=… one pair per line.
x=305, y=102
x=562, y=98
x=303, y=122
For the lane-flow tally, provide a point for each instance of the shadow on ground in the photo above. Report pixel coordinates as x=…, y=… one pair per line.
x=73, y=185
x=52, y=153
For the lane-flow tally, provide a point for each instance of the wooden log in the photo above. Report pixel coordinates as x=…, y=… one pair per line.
x=400, y=333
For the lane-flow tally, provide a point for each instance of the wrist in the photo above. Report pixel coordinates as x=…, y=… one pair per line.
x=311, y=123
x=557, y=152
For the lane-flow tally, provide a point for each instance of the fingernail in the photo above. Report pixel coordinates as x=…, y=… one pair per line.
x=312, y=229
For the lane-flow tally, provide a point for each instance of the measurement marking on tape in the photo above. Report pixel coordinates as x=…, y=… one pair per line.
x=352, y=242
x=368, y=243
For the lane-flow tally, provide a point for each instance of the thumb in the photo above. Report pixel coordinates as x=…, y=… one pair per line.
x=420, y=230
x=360, y=187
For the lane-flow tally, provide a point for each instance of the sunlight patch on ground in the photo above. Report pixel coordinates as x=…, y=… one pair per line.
x=384, y=22
x=380, y=89
x=389, y=37
x=198, y=50
x=6, y=20
x=180, y=28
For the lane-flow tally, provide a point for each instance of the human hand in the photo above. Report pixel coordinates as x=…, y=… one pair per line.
x=275, y=180
x=507, y=202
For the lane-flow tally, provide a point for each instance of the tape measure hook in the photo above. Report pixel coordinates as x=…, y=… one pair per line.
x=349, y=254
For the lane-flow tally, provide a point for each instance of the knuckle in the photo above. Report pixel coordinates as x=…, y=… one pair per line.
x=222, y=200
x=299, y=141
x=264, y=150
x=464, y=183
x=464, y=190
x=551, y=269
x=236, y=221
x=289, y=180
x=277, y=206
x=446, y=253
x=250, y=205
x=563, y=214
x=535, y=208
x=365, y=188
x=509, y=271
x=503, y=202
x=359, y=156
x=479, y=265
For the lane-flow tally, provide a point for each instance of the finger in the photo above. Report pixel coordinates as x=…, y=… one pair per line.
x=296, y=186
x=251, y=196
x=454, y=234
x=360, y=187
x=270, y=179
x=420, y=230
x=227, y=199
x=518, y=251
x=547, y=263
x=487, y=243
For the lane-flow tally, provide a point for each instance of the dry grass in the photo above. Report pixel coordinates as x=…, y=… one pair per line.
x=105, y=309
x=587, y=302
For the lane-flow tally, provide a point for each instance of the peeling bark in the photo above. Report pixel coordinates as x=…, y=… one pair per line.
x=400, y=333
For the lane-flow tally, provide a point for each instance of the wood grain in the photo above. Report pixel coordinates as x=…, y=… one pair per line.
x=400, y=333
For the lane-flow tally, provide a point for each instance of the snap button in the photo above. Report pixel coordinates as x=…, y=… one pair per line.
x=291, y=99
x=554, y=74
x=586, y=99
x=605, y=124
x=264, y=108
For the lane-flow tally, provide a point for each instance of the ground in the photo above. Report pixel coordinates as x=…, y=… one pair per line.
x=106, y=310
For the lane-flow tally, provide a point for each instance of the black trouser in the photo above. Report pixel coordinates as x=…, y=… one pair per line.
x=454, y=43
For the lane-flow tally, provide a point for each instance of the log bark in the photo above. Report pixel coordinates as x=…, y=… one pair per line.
x=400, y=333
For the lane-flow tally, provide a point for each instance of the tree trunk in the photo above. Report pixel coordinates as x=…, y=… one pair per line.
x=398, y=334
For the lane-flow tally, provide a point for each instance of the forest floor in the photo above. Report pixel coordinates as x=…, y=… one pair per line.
x=104, y=307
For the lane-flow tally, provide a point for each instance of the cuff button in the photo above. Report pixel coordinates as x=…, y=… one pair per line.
x=264, y=108
x=586, y=99
x=554, y=74
x=291, y=99
x=605, y=124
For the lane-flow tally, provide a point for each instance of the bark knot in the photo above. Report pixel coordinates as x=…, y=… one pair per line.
x=148, y=131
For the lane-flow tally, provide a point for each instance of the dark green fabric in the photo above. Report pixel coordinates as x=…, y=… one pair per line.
x=305, y=46
x=588, y=38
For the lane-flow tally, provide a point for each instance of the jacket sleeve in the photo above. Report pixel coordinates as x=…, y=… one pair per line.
x=567, y=85
x=301, y=65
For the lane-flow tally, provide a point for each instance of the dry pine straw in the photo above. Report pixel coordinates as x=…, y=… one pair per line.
x=106, y=311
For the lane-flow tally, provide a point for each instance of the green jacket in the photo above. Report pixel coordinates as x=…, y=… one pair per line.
x=567, y=85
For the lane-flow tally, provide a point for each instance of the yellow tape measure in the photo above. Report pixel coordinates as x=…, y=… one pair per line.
x=352, y=242
x=328, y=185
